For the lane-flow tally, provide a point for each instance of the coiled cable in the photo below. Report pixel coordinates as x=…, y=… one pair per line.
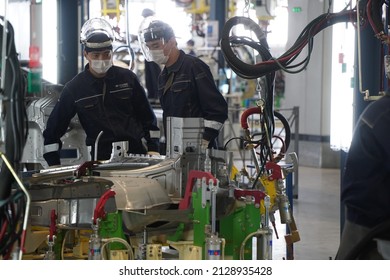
x=252, y=71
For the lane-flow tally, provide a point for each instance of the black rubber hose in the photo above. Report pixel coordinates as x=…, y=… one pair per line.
x=376, y=15
x=286, y=126
x=250, y=71
x=15, y=115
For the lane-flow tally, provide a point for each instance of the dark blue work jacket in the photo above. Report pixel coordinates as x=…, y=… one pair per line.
x=116, y=104
x=366, y=180
x=192, y=93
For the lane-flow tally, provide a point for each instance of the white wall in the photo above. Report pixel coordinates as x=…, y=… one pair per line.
x=306, y=89
x=310, y=89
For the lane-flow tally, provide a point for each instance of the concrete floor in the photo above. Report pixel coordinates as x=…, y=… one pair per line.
x=317, y=216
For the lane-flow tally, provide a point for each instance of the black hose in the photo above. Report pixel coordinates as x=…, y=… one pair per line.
x=14, y=111
x=6, y=178
x=250, y=71
x=269, y=78
x=287, y=129
x=14, y=119
x=376, y=15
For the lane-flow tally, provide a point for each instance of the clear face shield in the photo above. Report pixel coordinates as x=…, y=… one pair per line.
x=149, y=48
x=150, y=38
x=96, y=26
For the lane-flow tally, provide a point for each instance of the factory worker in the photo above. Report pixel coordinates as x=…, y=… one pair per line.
x=365, y=191
x=186, y=86
x=109, y=101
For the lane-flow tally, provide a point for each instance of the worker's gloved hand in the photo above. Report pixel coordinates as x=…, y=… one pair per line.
x=52, y=158
x=209, y=135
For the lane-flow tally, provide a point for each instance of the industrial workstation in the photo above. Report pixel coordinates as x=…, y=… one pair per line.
x=194, y=130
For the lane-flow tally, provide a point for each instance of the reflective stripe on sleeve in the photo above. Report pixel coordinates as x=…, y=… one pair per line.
x=154, y=133
x=213, y=124
x=51, y=148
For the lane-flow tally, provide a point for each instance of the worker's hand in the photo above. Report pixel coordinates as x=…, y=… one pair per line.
x=204, y=144
x=153, y=153
x=209, y=135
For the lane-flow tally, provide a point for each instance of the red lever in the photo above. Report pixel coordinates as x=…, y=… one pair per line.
x=194, y=174
x=53, y=229
x=257, y=194
x=276, y=170
x=99, y=209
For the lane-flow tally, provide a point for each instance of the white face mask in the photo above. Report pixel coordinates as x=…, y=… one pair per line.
x=101, y=66
x=158, y=56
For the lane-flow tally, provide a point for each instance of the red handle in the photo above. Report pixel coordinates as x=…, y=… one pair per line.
x=257, y=194
x=246, y=114
x=53, y=230
x=99, y=209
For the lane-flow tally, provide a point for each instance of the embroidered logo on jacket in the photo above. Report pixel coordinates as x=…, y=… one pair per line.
x=124, y=85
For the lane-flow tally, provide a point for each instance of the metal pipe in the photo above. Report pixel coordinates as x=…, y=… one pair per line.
x=213, y=206
x=230, y=165
x=365, y=92
x=96, y=145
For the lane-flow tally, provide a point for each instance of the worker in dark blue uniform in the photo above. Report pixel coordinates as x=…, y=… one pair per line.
x=109, y=101
x=186, y=86
x=152, y=69
x=366, y=181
